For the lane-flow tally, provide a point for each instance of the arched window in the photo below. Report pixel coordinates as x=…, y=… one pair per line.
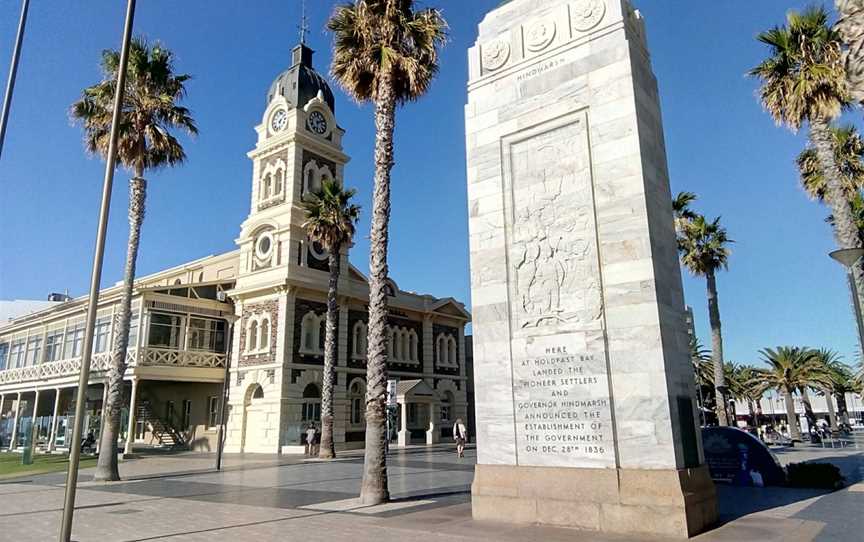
x=252, y=336
x=310, y=331
x=412, y=346
x=265, y=333
x=357, y=398
x=258, y=393
x=358, y=349
x=398, y=351
x=451, y=351
x=265, y=189
x=277, y=189
x=311, y=404
x=446, y=406
x=324, y=175
x=440, y=351
x=391, y=338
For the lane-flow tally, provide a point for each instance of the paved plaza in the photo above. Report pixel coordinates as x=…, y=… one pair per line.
x=181, y=498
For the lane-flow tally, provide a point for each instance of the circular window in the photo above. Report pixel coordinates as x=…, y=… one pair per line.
x=318, y=251
x=264, y=246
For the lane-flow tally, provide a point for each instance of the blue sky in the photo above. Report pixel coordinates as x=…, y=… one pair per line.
x=781, y=287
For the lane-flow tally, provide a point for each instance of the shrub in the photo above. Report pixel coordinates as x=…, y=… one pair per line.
x=814, y=475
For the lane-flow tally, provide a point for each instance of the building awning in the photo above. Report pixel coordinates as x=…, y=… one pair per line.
x=414, y=391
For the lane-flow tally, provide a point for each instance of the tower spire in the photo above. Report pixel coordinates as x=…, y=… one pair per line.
x=304, y=23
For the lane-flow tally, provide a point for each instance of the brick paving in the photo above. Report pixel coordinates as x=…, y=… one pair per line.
x=181, y=498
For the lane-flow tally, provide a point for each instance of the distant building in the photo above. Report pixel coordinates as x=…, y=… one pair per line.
x=274, y=285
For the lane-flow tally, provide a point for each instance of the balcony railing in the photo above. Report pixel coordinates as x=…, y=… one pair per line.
x=141, y=357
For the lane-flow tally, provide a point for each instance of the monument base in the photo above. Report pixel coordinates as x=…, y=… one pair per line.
x=676, y=503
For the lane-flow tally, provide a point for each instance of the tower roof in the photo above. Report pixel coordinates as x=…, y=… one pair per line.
x=300, y=83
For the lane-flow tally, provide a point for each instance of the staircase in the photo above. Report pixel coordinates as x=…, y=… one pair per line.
x=163, y=430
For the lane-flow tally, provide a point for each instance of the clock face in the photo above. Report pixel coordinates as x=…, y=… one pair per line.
x=280, y=118
x=317, y=123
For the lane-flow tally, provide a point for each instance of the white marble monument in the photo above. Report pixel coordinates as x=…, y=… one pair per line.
x=584, y=388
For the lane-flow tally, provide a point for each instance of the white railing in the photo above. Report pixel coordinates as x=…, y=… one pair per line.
x=142, y=357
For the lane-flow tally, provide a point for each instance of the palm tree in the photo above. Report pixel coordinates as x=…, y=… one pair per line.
x=848, y=152
x=704, y=250
x=851, y=30
x=856, y=203
x=384, y=52
x=840, y=383
x=804, y=81
x=330, y=219
x=682, y=210
x=744, y=385
x=790, y=368
x=704, y=372
x=150, y=110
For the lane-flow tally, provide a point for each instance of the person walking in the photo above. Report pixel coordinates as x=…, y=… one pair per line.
x=311, y=437
x=460, y=435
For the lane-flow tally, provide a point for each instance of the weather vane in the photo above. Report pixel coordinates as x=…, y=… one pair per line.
x=304, y=24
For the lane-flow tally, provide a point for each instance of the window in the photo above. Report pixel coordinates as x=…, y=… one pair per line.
x=310, y=333
x=356, y=395
x=213, y=411
x=34, y=348
x=73, y=341
x=358, y=349
x=252, y=336
x=446, y=406
x=166, y=330
x=258, y=334
x=264, y=341
x=133, y=329
x=311, y=404
x=272, y=181
x=187, y=415
x=4, y=355
x=206, y=335
x=102, y=334
x=16, y=354
x=54, y=345
x=445, y=350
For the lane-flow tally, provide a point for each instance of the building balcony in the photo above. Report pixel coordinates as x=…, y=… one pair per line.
x=139, y=361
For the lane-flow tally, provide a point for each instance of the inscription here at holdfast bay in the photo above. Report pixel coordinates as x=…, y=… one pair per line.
x=563, y=412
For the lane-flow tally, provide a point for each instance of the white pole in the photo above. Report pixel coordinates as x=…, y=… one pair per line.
x=130, y=430
x=95, y=280
x=13, y=70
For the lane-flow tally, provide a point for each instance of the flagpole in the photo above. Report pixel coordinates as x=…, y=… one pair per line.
x=95, y=280
x=13, y=69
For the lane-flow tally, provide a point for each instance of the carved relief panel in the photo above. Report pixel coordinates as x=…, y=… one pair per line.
x=551, y=232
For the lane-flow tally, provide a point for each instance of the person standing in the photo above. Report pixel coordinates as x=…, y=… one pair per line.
x=460, y=435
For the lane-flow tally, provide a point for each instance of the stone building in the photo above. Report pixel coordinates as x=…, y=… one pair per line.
x=271, y=292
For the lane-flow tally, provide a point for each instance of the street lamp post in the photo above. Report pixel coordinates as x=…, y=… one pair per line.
x=13, y=70
x=95, y=280
x=849, y=257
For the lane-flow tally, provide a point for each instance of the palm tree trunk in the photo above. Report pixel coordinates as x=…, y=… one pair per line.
x=791, y=418
x=832, y=415
x=106, y=465
x=842, y=409
x=851, y=28
x=328, y=449
x=717, y=351
x=808, y=407
x=373, y=489
x=845, y=229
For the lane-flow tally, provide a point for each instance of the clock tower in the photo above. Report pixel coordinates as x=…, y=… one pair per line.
x=299, y=147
